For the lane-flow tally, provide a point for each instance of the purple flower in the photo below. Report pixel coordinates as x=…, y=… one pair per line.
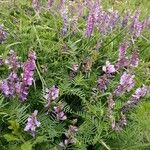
x=7, y=86
x=12, y=61
x=27, y=75
x=141, y=92
x=102, y=83
x=108, y=68
x=126, y=84
x=136, y=26
x=32, y=123
x=134, y=60
x=51, y=94
x=60, y=115
x=90, y=24
x=3, y=35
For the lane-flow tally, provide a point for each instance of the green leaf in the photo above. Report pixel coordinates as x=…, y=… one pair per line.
x=10, y=137
x=26, y=146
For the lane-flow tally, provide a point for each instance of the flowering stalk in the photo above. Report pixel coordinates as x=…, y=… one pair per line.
x=27, y=76
x=122, y=60
x=135, y=99
x=69, y=136
x=32, y=123
x=134, y=60
x=65, y=21
x=90, y=24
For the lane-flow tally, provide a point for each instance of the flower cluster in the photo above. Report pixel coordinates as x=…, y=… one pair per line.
x=32, y=123
x=51, y=94
x=12, y=61
x=13, y=85
x=60, y=115
x=27, y=76
x=9, y=86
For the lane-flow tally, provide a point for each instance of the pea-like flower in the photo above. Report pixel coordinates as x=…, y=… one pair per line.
x=126, y=84
x=32, y=123
x=60, y=115
x=109, y=68
x=51, y=94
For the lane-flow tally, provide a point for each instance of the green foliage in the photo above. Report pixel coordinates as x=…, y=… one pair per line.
x=27, y=30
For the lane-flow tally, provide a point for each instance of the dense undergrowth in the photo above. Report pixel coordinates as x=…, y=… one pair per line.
x=74, y=75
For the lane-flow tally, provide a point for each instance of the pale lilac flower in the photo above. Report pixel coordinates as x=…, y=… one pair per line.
x=122, y=60
x=102, y=83
x=126, y=84
x=136, y=26
x=90, y=24
x=141, y=92
x=3, y=35
x=51, y=94
x=32, y=123
x=134, y=60
x=60, y=115
x=109, y=68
